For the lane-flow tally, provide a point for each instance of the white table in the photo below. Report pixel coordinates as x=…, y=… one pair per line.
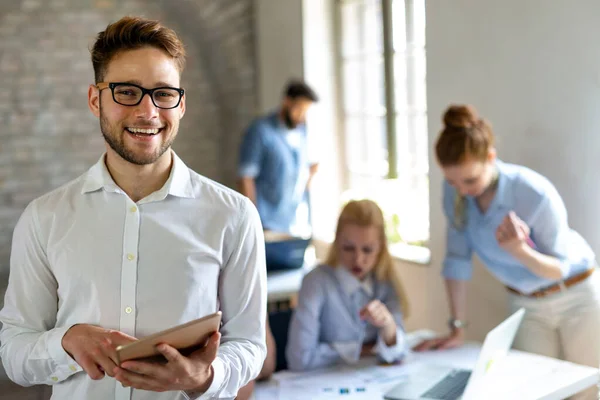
x=520, y=375
x=282, y=285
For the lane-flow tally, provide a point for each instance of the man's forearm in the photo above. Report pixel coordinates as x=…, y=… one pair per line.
x=247, y=187
x=312, y=172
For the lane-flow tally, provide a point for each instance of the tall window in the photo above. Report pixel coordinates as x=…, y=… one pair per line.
x=382, y=52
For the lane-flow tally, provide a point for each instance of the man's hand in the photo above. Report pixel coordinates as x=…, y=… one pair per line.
x=94, y=348
x=454, y=339
x=192, y=373
x=378, y=315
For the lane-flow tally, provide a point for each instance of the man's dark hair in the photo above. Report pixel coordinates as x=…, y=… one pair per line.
x=130, y=33
x=296, y=89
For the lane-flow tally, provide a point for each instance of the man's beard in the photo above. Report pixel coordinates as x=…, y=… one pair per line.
x=287, y=119
x=116, y=142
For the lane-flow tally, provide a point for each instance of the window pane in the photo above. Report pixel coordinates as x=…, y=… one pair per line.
x=399, y=25
x=420, y=143
x=373, y=27
x=366, y=143
x=356, y=156
x=403, y=153
x=400, y=83
x=416, y=77
x=414, y=212
x=376, y=134
x=375, y=85
x=362, y=186
x=412, y=140
x=353, y=82
x=418, y=25
x=351, y=20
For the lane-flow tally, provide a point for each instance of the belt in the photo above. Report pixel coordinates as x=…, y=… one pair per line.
x=557, y=287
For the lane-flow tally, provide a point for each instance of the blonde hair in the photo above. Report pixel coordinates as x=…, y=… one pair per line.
x=367, y=213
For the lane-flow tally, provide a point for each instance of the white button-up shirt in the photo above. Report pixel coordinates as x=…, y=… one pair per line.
x=86, y=253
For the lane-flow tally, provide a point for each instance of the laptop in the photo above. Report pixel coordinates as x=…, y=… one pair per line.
x=445, y=383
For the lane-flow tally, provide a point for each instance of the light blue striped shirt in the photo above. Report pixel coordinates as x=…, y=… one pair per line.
x=326, y=327
x=536, y=201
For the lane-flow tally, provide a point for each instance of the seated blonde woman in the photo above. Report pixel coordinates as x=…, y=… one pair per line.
x=353, y=304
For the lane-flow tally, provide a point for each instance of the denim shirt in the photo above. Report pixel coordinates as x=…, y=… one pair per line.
x=534, y=200
x=276, y=158
x=326, y=327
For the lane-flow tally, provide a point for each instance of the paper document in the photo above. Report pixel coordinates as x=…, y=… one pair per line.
x=338, y=390
x=367, y=382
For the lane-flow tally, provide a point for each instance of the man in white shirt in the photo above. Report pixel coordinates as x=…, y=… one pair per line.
x=137, y=244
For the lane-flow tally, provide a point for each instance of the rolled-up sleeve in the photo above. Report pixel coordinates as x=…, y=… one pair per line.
x=551, y=234
x=458, y=264
x=304, y=350
x=251, y=152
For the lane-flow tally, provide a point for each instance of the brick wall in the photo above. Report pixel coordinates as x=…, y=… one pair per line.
x=48, y=136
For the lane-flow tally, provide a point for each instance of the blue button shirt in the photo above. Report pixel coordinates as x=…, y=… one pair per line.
x=276, y=157
x=536, y=201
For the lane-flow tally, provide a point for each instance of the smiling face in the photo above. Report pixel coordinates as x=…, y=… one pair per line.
x=359, y=248
x=139, y=134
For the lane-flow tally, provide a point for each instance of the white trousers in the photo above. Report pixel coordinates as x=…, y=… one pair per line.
x=564, y=325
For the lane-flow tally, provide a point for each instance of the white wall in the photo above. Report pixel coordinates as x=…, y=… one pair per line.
x=279, y=47
x=533, y=69
x=323, y=124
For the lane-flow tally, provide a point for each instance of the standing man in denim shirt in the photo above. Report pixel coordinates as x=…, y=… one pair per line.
x=275, y=169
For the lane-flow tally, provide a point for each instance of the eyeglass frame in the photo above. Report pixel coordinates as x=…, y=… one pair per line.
x=150, y=92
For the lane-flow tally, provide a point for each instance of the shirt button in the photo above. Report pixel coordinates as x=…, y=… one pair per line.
x=130, y=257
x=133, y=209
x=73, y=368
x=128, y=310
x=54, y=378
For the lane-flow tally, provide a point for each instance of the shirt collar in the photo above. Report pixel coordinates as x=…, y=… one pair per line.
x=98, y=177
x=350, y=284
x=178, y=184
x=503, y=192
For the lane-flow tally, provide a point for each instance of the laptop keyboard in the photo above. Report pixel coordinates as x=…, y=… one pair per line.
x=449, y=388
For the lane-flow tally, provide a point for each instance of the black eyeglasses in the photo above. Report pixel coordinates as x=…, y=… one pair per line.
x=128, y=94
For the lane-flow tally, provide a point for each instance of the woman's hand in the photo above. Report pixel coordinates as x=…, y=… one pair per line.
x=512, y=233
x=378, y=315
x=455, y=339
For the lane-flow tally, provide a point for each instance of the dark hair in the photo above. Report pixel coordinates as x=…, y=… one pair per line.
x=465, y=136
x=297, y=88
x=130, y=33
